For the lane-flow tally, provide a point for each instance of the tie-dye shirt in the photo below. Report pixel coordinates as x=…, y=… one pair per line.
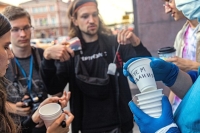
x=189, y=52
x=190, y=41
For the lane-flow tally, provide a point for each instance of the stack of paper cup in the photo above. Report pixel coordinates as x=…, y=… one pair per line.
x=149, y=100
x=49, y=113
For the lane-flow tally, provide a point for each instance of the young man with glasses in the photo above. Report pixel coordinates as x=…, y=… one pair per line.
x=26, y=90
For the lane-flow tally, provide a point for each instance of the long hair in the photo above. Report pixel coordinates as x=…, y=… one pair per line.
x=6, y=123
x=74, y=30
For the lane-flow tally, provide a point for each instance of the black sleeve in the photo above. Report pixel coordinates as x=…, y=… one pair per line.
x=128, y=51
x=41, y=51
x=54, y=75
x=28, y=125
x=142, y=51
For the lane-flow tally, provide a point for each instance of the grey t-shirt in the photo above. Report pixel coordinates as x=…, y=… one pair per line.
x=16, y=93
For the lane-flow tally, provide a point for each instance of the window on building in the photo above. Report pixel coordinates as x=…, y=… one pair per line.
x=44, y=21
x=34, y=10
x=44, y=9
x=41, y=22
x=52, y=8
x=40, y=9
x=53, y=20
x=36, y=22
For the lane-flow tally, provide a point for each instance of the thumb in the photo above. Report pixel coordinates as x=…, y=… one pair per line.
x=25, y=97
x=166, y=107
x=19, y=104
x=70, y=117
x=136, y=111
x=125, y=72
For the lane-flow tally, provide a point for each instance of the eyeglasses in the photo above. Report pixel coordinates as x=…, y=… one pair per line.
x=25, y=29
x=167, y=2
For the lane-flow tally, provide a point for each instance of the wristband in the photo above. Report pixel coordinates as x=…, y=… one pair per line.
x=165, y=129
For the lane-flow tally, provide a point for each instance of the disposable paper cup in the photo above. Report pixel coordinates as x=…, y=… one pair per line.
x=153, y=112
x=149, y=94
x=152, y=108
x=155, y=115
x=49, y=113
x=151, y=99
x=143, y=74
x=166, y=52
x=149, y=104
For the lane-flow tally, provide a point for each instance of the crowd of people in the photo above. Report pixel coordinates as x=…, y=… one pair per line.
x=99, y=93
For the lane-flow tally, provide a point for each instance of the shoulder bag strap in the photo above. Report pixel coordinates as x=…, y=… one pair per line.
x=36, y=57
x=15, y=70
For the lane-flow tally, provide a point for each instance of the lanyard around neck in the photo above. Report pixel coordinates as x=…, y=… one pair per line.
x=29, y=80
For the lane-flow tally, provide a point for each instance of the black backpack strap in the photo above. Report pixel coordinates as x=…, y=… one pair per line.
x=114, y=49
x=36, y=57
x=15, y=70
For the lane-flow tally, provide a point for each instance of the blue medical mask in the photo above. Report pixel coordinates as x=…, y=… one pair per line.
x=190, y=8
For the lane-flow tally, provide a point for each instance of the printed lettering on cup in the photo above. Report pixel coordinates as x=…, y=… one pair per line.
x=141, y=73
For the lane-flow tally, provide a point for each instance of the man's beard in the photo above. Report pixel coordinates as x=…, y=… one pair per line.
x=89, y=34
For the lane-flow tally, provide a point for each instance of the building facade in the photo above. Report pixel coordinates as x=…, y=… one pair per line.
x=48, y=17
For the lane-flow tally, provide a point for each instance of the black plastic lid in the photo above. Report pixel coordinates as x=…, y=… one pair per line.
x=166, y=50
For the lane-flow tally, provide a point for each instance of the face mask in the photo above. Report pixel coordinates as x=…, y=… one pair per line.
x=190, y=8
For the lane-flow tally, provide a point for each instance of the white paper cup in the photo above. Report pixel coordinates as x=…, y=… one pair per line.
x=49, y=113
x=153, y=112
x=152, y=108
x=143, y=74
x=149, y=94
x=149, y=104
x=151, y=99
x=155, y=115
x=158, y=113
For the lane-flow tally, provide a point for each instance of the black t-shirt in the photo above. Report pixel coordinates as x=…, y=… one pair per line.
x=92, y=57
